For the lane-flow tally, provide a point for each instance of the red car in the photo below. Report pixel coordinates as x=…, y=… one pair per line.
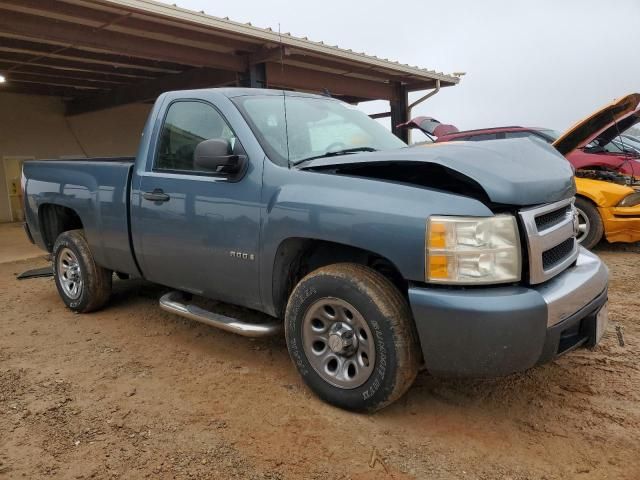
x=603, y=152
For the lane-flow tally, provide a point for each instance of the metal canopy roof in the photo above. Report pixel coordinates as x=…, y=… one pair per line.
x=102, y=53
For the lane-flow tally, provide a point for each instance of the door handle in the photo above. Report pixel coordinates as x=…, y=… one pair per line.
x=156, y=196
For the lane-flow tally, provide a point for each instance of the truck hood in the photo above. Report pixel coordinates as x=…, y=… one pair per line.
x=603, y=124
x=506, y=172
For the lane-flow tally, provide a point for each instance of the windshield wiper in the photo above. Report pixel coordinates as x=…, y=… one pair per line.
x=335, y=153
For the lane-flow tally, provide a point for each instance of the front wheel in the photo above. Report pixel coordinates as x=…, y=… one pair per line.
x=83, y=285
x=590, y=227
x=350, y=334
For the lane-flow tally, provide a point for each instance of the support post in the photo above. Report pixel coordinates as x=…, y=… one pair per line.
x=256, y=76
x=400, y=111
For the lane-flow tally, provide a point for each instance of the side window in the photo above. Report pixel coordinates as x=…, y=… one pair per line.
x=186, y=125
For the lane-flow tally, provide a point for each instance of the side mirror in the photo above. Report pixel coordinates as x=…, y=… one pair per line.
x=216, y=155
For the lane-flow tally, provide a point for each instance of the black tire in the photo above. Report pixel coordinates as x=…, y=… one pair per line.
x=94, y=282
x=386, y=312
x=595, y=228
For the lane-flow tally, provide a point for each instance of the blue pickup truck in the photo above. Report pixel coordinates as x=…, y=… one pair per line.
x=375, y=258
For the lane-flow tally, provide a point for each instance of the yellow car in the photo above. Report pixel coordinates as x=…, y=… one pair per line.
x=607, y=209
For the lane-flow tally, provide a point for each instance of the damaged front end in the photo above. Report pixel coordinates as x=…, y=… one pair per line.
x=497, y=173
x=429, y=175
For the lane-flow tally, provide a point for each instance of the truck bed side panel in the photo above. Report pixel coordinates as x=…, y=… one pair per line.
x=98, y=192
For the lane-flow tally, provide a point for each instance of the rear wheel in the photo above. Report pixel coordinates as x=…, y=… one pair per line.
x=350, y=334
x=83, y=285
x=590, y=227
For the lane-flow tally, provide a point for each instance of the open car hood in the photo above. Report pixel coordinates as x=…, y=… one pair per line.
x=603, y=124
x=430, y=126
x=507, y=172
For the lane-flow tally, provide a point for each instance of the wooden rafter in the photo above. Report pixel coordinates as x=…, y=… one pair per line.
x=196, y=78
x=39, y=49
x=287, y=76
x=114, y=42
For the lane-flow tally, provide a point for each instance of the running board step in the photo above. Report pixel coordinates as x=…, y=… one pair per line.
x=175, y=302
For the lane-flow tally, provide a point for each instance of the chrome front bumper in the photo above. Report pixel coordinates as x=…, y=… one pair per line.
x=574, y=288
x=504, y=329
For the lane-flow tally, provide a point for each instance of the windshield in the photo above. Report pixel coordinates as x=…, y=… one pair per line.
x=632, y=140
x=623, y=146
x=292, y=128
x=614, y=146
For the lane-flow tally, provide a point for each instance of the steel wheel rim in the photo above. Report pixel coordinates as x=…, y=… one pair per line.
x=343, y=359
x=584, y=225
x=69, y=273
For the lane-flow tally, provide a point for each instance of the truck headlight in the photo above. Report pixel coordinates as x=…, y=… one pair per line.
x=473, y=250
x=630, y=200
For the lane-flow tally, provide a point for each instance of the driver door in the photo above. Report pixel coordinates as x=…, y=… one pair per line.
x=191, y=224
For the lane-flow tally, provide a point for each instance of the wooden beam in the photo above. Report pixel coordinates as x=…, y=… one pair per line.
x=40, y=49
x=287, y=76
x=195, y=78
x=416, y=86
x=374, y=72
x=269, y=54
x=170, y=33
x=59, y=65
x=82, y=36
x=58, y=72
x=61, y=80
x=39, y=89
x=21, y=59
x=342, y=67
x=57, y=83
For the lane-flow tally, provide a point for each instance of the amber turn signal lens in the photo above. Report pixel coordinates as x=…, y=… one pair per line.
x=438, y=266
x=437, y=235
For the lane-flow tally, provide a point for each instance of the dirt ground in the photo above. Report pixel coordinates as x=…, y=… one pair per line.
x=134, y=392
x=14, y=244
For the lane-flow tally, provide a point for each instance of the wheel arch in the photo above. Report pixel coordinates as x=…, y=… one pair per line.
x=297, y=256
x=55, y=219
x=588, y=196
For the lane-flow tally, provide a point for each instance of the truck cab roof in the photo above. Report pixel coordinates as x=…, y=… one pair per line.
x=232, y=92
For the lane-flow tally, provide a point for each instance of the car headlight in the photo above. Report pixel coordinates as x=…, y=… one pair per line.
x=473, y=250
x=630, y=200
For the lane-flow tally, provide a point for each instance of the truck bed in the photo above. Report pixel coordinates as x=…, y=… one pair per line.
x=90, y=160
x=98, y=190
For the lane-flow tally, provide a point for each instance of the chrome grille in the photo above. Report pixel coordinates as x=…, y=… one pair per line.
x=548, y=220
x=557, y=254
x=550, y=233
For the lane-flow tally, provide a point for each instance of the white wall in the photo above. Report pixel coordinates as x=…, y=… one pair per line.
x=35, y=126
